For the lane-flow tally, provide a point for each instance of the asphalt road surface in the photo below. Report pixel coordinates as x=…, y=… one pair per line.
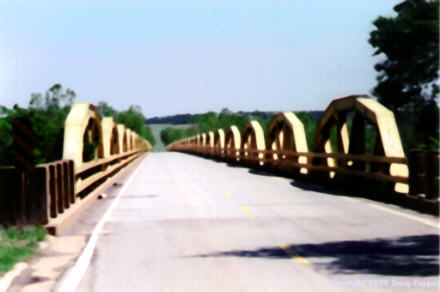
x=186, y=223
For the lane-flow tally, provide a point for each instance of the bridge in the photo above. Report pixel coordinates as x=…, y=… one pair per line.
x=234, y=209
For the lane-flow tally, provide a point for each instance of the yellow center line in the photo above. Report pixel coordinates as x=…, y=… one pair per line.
x=226, y=195
x=294, y=255
x=248, y=212
x=212, y=186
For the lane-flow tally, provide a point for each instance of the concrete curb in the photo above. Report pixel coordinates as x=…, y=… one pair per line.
x=7, y=279
x=63, y=221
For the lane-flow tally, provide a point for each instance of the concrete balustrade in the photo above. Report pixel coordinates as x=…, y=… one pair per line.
x=219, y=143
x=387, y=141
x=210, y=143
x=203, y=144
x=253, y=143
x=284, y=148
x=82, y=123
x=55, y=191
x=110, y=137
x=232, y=143
x=286, y=133
x=122, y=135
x=129, y=140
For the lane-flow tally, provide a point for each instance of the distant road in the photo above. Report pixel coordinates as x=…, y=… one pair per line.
x=157, y=128
x=186, y=223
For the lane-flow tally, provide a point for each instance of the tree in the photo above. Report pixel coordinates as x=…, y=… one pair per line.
x=169, y=135
x=408, y=77
x=47, y=115
x=134, y=119
x=105, y=110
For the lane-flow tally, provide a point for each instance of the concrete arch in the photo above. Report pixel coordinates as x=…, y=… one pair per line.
x=352, y=141
x=190, y=144
x=252, y=136
x=202, y=143
x=82, y=124
x=232, y=140
x=198, y=143
x=195, y=143
x=122, y=133
x=286, y=132
x=129, y=139
x=110, y=136
x=134, y=138
x=219, y=143
x=210, y=142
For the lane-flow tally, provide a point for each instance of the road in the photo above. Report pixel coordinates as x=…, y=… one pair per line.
x=186, y=223
x=157, y=128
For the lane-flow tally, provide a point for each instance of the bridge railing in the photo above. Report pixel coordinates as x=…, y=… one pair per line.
x=53, y=191
x=383, y=170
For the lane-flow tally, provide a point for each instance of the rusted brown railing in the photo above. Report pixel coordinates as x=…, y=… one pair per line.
x=53, y=188
x=53, y=191
x=283, y=149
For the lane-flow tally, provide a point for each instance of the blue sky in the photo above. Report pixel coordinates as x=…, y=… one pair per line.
x=174, y=57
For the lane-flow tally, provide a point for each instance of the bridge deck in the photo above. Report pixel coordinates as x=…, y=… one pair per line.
x=186, y=223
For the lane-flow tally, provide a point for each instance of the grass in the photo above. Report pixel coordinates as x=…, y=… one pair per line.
x=17, y=244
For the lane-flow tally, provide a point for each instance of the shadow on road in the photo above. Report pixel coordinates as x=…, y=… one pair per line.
x=317, y=188
x=403, y=256
x=304, y=183
x=387, y=198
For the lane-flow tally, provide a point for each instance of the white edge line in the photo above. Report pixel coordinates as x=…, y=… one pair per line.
x=395, y=212
x=424, y=221
x=7, y=279
x=76, y=273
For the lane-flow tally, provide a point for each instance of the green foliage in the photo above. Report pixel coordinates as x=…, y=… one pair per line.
x=90, y=150
x=132, y=118
x=263, y=119
x=47, y=115
x=169, y=135
x=17, y=244
x=408, y=77
x=106, y=110
x=310, y=122
x=180, y=119
x=135, y=120
x=205, y=123
x=211, y=121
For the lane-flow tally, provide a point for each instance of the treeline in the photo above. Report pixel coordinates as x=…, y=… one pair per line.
x=169, y=135
x=180, y=119
x=132, y=118
x=212, y=121
x=203, y=123
x=48, y=114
